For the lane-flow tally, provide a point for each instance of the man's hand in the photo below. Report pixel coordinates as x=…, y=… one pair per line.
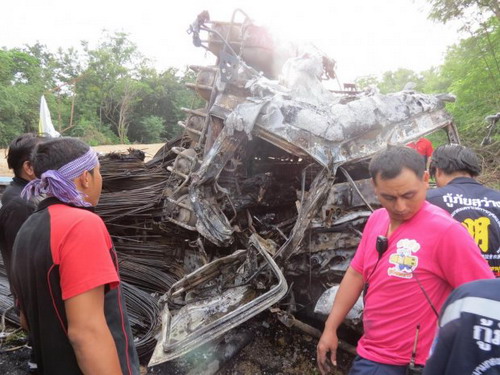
x=349, y=291
x=328, y=343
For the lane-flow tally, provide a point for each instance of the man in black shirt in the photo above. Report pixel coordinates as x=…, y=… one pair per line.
x=15, y=210
x=469, y=330
x=469, y=202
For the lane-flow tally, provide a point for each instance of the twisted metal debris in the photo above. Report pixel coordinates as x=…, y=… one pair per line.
x=277, y=163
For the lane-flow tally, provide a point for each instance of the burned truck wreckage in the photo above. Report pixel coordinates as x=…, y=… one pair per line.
x=262, y=200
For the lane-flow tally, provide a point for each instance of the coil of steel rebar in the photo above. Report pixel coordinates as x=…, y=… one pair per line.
x=143, y=310
x=147, y=278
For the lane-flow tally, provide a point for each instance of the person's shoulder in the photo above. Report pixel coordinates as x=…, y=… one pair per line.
x=495, y=194
x=485, y=288
x=17, y=204
x=438, y=192
x=10, y=193
x=79, y=224
x=75, y=215
x=378, y=214
x=437, y=217
x=485, y=193
x=378, y=218
x=433, y=210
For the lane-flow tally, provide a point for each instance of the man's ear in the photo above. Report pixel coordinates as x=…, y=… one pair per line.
x=439, y=173
x=83, y=179
x=28, y=169
x=441, y=178
x=426, y=177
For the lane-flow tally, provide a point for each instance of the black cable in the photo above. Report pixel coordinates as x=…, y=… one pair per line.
x=381, y=245
x=426, y=295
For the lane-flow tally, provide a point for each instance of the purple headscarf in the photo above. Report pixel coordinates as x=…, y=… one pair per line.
x=59, y=183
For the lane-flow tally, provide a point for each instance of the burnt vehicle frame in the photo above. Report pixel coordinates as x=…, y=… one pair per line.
x=263, y=163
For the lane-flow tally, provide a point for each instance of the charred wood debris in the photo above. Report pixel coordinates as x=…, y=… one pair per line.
x=260, y=203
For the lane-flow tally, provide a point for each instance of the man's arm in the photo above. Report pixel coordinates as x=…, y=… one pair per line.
x=23, y=321
x=349, y=291
x=460, y=259
x=12, y=217
x=89, y=333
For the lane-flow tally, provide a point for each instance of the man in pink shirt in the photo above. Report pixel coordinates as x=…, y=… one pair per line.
x=411, y=256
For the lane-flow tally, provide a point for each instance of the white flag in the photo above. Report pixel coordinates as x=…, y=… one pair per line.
x=45, y=126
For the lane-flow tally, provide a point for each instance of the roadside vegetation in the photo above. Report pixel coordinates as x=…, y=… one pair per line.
x=106, y=95
x=112, y=93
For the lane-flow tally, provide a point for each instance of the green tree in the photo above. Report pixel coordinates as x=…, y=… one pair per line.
x=110, y=85
x=392, y=81
x=21, y=84
x=149, y=129
x=473, y=68
x=397, y=80
x=366, y=82
x=164, y=95
x=433, y=81
x=447, y=10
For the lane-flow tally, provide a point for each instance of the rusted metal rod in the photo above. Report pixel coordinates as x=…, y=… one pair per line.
x=194, y=112
x=195, y=86
x=290, y=321
x=183, y=125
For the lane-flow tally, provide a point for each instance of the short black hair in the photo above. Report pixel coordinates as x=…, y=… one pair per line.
x=20, y=150
x=55, y=153
x=389, y=163
x=455, y=158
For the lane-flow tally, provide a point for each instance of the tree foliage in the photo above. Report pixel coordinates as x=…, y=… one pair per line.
x=447, y=10
x=393, y=81
x=106, y=94
x=472, y=69
x=21, y=81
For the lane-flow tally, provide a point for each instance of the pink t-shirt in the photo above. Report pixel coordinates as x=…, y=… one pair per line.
x=442, y=254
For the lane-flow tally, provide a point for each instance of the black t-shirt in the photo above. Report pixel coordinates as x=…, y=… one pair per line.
x=14, y=190
x=14, y=212
x=478, y=209
x=61, y=252
x=468, y=342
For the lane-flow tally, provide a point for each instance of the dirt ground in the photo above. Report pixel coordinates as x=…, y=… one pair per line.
x=149, y=149
x=276, y=349
x=273, y=349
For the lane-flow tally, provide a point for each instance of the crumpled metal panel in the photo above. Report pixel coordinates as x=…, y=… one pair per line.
x=205, y=319
x=349, y=132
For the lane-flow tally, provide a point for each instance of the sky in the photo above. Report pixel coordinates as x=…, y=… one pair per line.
x=365, y=37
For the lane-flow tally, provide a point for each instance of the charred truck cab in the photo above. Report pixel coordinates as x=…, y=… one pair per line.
x=270, y=179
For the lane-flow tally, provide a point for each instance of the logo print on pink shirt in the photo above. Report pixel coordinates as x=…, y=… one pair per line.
x=403, y=259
